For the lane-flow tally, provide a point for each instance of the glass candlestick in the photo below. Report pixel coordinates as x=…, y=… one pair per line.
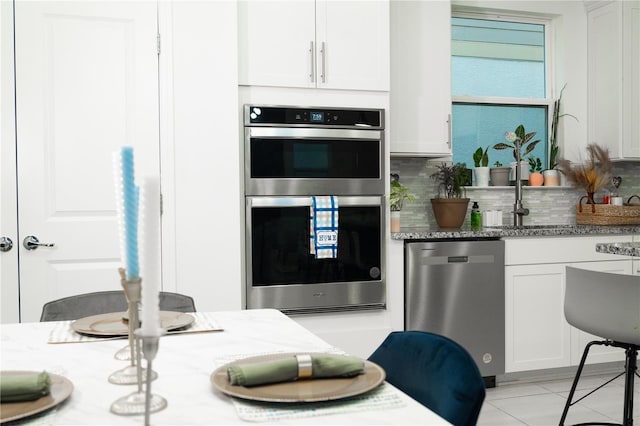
x=142, y=402
x=130, y=375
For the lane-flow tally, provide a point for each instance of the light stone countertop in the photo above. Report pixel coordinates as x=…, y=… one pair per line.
x=625, y=249
x=466, y=232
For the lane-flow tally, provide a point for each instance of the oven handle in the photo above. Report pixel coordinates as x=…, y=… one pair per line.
x=306, y=201
x=295, y=132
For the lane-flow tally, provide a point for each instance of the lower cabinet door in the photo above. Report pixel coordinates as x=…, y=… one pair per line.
x=537, y=335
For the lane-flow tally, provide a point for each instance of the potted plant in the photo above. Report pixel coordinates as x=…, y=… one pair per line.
x=517, y=141
x=466, y=174
x=449, y=208
x=481, y=164
x=397, y=195
x=499, y=174
x=535, y=171
x=592, y=175
x=552, y=174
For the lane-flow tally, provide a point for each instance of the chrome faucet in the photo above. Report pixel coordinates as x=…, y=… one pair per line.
x=518, y=210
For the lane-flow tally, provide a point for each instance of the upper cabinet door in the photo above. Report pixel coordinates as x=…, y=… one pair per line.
x=353, y=44
x=614, y=77
x=276, y=43
x=323, y=44
x=631, y=78
x=420, y=94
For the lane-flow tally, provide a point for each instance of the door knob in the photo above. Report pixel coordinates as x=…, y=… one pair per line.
x=31, y=243
x=5, y=244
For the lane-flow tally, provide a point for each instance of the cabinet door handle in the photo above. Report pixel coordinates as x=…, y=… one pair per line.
x=312, y=56
x=323, y=52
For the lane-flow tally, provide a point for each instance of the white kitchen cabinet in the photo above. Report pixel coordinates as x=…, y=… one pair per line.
x=537, y=335
x=420, y=96
x=613, y=40
x=314, y=44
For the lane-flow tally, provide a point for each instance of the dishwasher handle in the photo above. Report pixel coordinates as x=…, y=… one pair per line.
x=426, y=259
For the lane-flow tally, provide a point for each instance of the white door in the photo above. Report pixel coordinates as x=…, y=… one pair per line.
x=86, y=84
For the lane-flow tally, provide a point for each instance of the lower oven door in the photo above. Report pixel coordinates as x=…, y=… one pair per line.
x=281, y=273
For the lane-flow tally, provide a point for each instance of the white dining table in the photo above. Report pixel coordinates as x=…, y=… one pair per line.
x=184, y=364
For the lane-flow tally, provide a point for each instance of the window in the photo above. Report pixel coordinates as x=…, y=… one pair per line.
x=499, y=80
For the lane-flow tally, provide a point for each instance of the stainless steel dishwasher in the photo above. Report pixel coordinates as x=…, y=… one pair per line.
x=456, y=288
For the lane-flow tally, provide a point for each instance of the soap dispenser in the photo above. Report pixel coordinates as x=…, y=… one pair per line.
x=476, y=218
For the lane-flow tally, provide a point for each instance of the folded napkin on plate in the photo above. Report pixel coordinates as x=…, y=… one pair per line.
x=23, y=386
x=293, y=367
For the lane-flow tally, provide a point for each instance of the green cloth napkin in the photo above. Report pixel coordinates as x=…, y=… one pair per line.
x=286, y=369
x=23, y=386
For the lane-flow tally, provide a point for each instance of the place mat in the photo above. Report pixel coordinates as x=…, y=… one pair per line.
x=63, y=333
x=116, y=324
x=384, y=397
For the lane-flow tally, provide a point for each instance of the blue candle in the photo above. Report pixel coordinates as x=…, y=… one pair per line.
x=130, y=192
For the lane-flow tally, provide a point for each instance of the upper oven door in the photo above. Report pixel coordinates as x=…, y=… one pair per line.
x=309, y=161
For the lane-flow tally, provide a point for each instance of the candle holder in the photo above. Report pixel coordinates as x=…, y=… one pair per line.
x=143, y=402
x=133, y=373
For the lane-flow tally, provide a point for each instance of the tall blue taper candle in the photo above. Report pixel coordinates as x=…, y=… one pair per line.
x=130, y=213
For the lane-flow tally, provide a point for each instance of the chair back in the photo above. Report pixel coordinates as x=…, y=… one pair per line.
x=103, y=302
x=604, y=304
x=435, y=371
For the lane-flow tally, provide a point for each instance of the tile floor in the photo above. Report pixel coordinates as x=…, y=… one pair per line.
x=541, y=402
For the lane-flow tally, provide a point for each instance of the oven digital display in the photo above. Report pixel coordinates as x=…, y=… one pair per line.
x=317, y=117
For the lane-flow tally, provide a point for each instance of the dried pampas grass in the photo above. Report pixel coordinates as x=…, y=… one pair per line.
x=593, y=174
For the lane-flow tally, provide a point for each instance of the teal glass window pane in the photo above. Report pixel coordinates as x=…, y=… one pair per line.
x=492, y=77
x=497, y=58
x=482, y=125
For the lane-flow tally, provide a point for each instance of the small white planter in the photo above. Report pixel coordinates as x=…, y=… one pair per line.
x=551, y=177
x=482, y=176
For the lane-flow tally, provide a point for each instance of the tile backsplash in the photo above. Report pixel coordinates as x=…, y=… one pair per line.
x=547, y=205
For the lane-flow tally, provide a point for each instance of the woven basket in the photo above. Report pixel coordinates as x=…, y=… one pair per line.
x=607, y=214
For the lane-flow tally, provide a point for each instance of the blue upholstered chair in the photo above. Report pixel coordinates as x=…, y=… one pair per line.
x=104, y=302
x=435, y=371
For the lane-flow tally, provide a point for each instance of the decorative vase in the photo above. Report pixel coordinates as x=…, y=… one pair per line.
x=500, y=176
x=551, y=177
x=482, y=176
x=449, y=212
x=395, y=221
x=536, y=179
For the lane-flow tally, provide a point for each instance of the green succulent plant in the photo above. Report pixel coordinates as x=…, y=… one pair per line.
x=481, y=158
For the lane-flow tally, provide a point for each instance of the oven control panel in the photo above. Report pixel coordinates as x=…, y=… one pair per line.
x=287, y=116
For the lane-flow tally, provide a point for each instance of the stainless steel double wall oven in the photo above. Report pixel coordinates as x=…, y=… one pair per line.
x=292, y=154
